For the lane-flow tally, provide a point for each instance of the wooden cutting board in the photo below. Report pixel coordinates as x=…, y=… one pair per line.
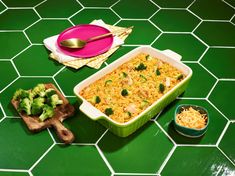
x=61, y=113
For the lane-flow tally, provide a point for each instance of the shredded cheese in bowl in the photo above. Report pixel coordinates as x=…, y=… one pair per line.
x=191, y=118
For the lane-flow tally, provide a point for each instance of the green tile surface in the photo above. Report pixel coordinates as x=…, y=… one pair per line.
x=49, y=9
x=185, y=44
x=175, y=20
x=198, y=164
x=9, y=17
x=137, y=10
x=219, y=11
x=206, y=45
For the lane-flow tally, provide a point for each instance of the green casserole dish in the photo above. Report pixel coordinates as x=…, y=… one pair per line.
x=127, y=128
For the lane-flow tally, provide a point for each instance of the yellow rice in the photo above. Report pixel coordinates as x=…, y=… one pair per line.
x=142, y=90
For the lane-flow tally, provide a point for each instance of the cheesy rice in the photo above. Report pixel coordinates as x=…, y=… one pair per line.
x=132, y=87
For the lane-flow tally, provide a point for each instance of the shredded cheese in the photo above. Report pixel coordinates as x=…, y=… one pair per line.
x=191, y=118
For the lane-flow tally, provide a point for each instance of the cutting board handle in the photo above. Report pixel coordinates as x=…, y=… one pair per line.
x=63, y=133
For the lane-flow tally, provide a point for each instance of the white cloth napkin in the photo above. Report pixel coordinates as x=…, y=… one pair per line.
x=50, y=44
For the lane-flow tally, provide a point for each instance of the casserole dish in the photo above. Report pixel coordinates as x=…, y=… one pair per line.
x=127, y=128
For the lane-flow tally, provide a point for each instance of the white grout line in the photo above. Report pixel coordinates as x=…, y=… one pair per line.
x=10, y=30
x=3, y=11
x=30, y=173
x=203, y=54
x=36, y=76
x=9, y=85
x=99, y=8
x=156, y=39
x=222, y=47
x=166, y=160
x=26, y=36
x=226, y=79
x=19, y=8
x=154, y=14
x=58, y=86
x=191, y=4
x=232, y=18
x=208, y=95
x=43, y=155
x=32, y=24
x=75, y=13
x=191, y=62
x=175, y=32
x=39, y=3
x=56, y=19
x=21, y=52
x=219, y=21
x=155, y=25
x=80, y=3
x=70, y=96
x=222, y=134
x=172, y=8
x=101, y=136
x=194, y=14
x=135, y=174
x=4, y=114
x=216, y=109
x=114, y=4
x=120, y=18
x=4, y=4
x=1, y=120
x=155, y=4
x=208, y=71
x=165, y=132
x=71, y=22
x=104, y=159
x=200, y=39
x=13, y=170
x=39, y=16
x=48, y=130
x=196, y=145
x=13, y=117
x=59, y=71
x=190, y=98
x=226, y=156
x=106, y=63
x=228, y=4
x=117, y=22
x=197, y=26
x=82, y=144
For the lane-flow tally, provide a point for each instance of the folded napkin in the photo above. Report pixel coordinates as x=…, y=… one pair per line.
x=94, y=62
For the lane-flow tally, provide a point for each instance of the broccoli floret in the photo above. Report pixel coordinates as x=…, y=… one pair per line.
x=108, y=82
x=21, y=94
x=124, y=74
x=148, y=57
x=96, y=99
x=25, y=106
x=141, y=66
x=158, y=72
x=179, y=77
x=37, y=105
x=143, y=78
x=161, y=87
x=143, y=104
x=108, y=111
x=54, y=100
x=48, y=112
x=49, y=92
x=124, y=92
x=39, y=90
x=129, y=113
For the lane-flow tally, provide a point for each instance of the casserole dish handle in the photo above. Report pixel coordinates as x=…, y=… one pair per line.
x=90, y=111
x=172, y=54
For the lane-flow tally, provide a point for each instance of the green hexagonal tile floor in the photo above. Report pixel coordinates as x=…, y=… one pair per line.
x=203, y=36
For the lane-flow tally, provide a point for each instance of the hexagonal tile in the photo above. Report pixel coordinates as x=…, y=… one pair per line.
x=13, y=174
x=2, y=7
x=222, y=96
x=50, y=8
x=200, y=8
x=212, y=33
x=84, y=129
x=173, y=3
x=87, y=16
x=215, y=128
x=183, y=20
x=198, y=161
x=95, y=3
x=6, y=67
x=9, y=17
x=1, y=114
x=83, y=155
x=138, y=36
x=202, y=77
x=18, y=145
x=220, y=61
x=120, y=52
x=137, y=10
x=10, y=38
x=227, y=143
x=42, y=64
x=46, y=28
x=74, y=77
x=22, y=3
x=135, y=153
x=233, y=20
x=24, y=83
x=184, y=44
